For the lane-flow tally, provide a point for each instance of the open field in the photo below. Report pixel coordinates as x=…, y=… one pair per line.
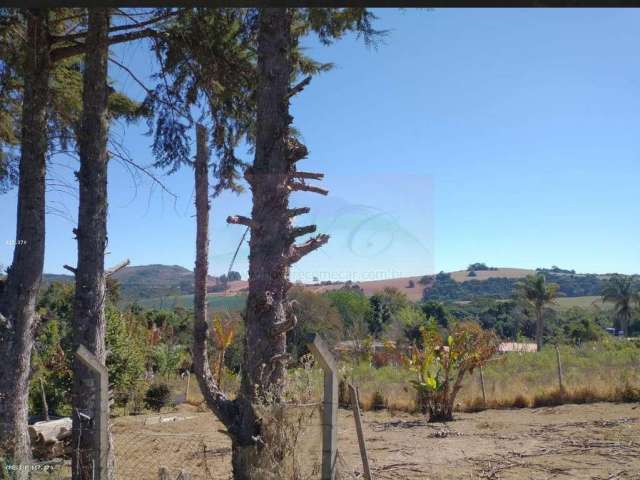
x=607, y=370
x=595, y=442
x=215, y=302
x=564, y=303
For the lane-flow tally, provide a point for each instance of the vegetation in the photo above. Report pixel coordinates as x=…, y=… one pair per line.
x=538, y=293
x=479, y=267
x=157, y=396
x=620, y=291
x=445, y=288
x=442, y=363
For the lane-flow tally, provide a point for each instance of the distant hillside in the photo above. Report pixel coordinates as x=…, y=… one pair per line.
x=147, y=281
x=173, y=284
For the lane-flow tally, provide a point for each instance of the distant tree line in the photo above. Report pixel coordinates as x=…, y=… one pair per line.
x=445, y=288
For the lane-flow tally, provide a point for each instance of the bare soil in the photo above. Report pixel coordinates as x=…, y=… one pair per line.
x=596, y=442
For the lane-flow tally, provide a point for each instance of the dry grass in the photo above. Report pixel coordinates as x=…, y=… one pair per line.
x=607, y=371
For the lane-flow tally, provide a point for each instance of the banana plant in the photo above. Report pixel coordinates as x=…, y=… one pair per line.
x=441, y=363
x=223, y=333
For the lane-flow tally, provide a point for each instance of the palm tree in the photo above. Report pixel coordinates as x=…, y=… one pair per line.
x=619, y=291
x=538, y=293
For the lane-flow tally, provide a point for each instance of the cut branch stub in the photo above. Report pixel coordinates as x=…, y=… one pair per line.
x=299, y=87
x=120, y=266
x=299, y=251
x=299, y=231
x=308, y=175
x=70, y=268
x=295, y=150
x=239, y=220
x=293, y=212
x=303, y=187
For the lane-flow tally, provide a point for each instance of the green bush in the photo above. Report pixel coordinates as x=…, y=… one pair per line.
x=157, y=396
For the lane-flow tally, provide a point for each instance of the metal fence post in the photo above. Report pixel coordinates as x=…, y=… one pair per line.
x=329, y=406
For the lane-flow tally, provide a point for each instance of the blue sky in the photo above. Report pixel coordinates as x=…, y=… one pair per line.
x=503, y=136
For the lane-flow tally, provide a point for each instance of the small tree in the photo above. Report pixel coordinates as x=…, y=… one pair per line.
x=619, y=291
x=441, y=365
x=223, y=333
x=538, y=293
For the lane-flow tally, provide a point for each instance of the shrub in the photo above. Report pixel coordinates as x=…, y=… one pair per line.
x=442, y=364
x=157, y=396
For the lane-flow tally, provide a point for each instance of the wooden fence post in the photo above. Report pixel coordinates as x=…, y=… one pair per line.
x=99, y=412
x=560, y=382
x=484, y=393
x=329, y=406
x=355, y=403
x=45, y=405
x=186, y=393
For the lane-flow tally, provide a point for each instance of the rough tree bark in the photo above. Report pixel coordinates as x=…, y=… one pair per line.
x=272, y=177
x=216, y=400
x=89, y=317
x=17, y=306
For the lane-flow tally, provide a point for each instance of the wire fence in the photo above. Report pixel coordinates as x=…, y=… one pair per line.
x=142, y=455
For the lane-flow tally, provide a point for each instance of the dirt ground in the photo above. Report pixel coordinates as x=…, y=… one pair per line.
x=596, y=442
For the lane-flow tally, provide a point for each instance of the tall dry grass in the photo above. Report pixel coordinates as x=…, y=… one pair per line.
x=599, y=371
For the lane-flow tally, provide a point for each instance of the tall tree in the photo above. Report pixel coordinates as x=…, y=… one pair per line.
x=538, y=293
x=36, y=57
x=215, y=398
x=620, y=291
x=240, y=102
x=89, y=325
x=17, y=305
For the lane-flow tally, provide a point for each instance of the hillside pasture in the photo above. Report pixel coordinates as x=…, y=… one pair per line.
x=463, y=275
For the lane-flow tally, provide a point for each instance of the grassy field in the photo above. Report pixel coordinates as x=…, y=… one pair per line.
x=564, y=303
x=606, y=370
x=598, y=371
x=215, y=302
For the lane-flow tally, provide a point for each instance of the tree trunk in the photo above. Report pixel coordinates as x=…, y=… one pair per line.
x=270, y=238
x=269, y=315
x=539, y=327
x=17, y=306
x=223, y=408
x=89, y=317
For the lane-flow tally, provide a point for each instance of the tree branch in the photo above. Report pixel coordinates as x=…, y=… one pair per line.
x=117, y=28
x=145, y=171
x=303, y=187
x=299, y=231
x=299, y=87
x=299, y=251
x=79, y=49
x=308, y=175
x=117, y=268
x=70, y=268
x=294, y=212
x=239, y=220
